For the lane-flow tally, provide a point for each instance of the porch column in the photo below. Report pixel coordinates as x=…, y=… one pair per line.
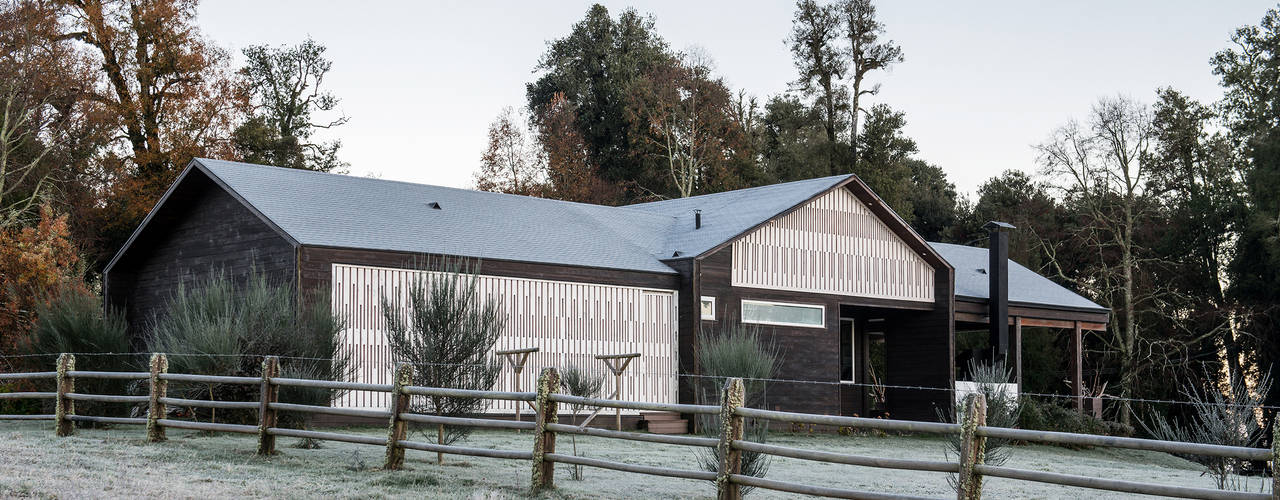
x=1017, y=351
x=1077, y=373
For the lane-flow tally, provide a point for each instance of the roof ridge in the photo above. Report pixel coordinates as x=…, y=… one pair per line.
x=742, y=190
x=437, y=186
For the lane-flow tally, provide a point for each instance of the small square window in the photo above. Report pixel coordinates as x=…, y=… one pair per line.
x=708, y=308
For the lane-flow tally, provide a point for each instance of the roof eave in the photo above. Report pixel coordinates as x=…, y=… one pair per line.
x=1054, y=307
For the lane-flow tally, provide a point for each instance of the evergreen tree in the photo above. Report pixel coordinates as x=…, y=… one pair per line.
x=284, y=83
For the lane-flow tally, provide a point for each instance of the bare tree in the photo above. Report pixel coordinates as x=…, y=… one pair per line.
x=22, y=179
x=512, y=162
x=1100, y=169
x=866, y=53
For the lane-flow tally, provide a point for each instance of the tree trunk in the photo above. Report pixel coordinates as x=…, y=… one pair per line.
x=440, y=441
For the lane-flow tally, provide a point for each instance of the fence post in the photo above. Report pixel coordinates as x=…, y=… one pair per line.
x=1275, y=457
x=65, y=407
x=266, y=396
x=544, y=441
x=397, y=427
x=159, y=389
x=973, y=448
x=731, y=398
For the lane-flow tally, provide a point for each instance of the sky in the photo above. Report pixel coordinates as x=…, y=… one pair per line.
x=982, y=83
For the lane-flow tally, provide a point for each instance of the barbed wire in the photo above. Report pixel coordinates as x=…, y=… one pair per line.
x=661, y=373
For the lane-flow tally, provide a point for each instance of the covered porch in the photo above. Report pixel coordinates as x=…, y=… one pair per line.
x=972, y=316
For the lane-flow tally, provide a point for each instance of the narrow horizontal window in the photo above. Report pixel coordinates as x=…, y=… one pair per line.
x=777, y=313
x=708, y=308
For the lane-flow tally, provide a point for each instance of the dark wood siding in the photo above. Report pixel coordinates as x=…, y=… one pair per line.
x=315, y=268
x=199, y=230
x=810, y=354
x=920, y=352
x=918, y=343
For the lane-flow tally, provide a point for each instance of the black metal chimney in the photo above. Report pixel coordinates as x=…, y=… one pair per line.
x=697, y=219
x=998, y=288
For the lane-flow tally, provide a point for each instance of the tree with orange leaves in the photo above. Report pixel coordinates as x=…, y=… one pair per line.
x=170, y=94
x=570, y=174
x=35, y=262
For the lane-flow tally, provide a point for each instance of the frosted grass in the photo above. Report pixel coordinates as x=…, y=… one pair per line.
x=119, y=463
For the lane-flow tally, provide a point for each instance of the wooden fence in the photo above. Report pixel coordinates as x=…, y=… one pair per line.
x=730, y=445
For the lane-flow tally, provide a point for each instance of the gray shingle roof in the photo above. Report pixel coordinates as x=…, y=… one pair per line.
x=1025, y=285
x=728, y=214
x=358, y=212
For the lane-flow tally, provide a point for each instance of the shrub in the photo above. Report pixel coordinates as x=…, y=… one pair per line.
x=579, y=382
x=446, y=329
x=735, y=350
x=1049, y=416
x=1222, y=417
x=1002, y=409
x=74, y=322
x=224, y=327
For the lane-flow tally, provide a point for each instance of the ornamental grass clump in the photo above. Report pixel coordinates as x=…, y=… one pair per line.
x=224, y=326
x=735, y=351
x=446, y=328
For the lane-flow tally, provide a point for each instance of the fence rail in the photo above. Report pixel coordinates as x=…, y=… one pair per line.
x=730, y=445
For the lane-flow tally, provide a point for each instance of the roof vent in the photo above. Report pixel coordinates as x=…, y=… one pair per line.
x=433, y=205
x=697, y=219
x=675, y=253
x=981, y=270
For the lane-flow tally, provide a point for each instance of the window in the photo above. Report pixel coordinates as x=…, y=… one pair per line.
x=709, y=308
x=776, y=313
x=846, y=350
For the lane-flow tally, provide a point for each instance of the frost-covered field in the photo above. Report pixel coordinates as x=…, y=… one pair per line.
x=118, y=463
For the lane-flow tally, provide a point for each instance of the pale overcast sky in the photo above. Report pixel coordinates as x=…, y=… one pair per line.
x=982, y=81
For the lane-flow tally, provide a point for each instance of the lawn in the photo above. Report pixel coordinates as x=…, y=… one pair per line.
x=119, y=463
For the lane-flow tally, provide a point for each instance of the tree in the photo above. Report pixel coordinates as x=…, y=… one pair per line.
x=866, y=53
x=1104, y=181
x=571, y=175
x=793, y=144
x=168, y=94
x=683, y=117
x=284, y=83
x=593, y=67
x=511, y=163
x=814, y=31
x=446, y=329
x=1016, y=198
x=1197, y=177
x=884, y=153
x=933, y=199
x=1250, y=75
x=48, y=129
x=35, y=264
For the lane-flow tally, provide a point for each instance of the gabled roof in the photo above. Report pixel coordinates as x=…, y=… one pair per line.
x=319, y=209
x=1025, y=286
x=728, y=214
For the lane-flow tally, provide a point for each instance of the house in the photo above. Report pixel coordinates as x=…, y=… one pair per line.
x=863, y=309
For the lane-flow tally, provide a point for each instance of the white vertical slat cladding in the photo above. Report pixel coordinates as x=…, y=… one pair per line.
x=570, y=322
x=832, y=245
